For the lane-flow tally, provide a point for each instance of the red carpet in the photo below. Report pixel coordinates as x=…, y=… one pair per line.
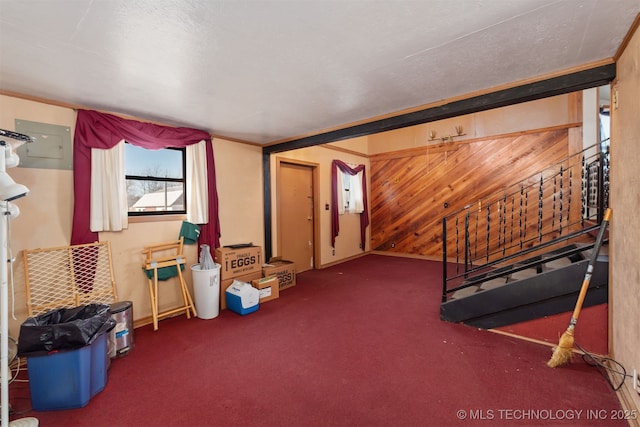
x=591, y=330
x=357, y=344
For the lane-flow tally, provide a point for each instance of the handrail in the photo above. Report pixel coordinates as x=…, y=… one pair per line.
x=524, y=265
x=527, y=251
x=498, y=194
x=539, y=211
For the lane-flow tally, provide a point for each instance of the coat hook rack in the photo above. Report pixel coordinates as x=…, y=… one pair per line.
x=448, y=138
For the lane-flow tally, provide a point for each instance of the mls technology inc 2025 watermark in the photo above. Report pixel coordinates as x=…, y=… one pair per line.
x=545, y=414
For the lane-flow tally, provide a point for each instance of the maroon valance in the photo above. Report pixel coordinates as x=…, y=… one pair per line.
x=104, y=131
x=335, y=217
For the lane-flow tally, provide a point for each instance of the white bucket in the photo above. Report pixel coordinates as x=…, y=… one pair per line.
x=206, y=290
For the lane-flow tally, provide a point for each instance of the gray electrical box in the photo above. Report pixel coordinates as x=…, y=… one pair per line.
x=51, y=149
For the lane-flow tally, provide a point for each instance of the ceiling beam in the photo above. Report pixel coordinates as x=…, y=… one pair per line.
x=567, y=83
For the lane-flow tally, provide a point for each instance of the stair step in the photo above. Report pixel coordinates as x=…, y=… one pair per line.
x=494, y=283
x=558, y=263
x=523, y=274
x=465, y=292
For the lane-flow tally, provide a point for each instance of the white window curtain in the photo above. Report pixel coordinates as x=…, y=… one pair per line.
x=197, y=189
x=109, y=211
x=350, y=195
x=108, y=190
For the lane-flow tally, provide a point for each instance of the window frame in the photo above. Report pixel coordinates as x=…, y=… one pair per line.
x=182, y=180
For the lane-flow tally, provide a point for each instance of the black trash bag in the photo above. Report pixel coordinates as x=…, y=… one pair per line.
x=64, y=329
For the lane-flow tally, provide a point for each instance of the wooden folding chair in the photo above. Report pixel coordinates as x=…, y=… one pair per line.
x=163, y=261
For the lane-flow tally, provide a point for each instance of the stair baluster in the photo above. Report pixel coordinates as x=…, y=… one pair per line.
x=540, y=206
x=520, y=222
x=457, y=248
x=475, y=243
x=526, y=214
x=513, y=206
x=488, y=228
x=504, y=224
x=561, y=195
x=569, y=196
x=584, y=196
x=553, y=209
x=467, y=262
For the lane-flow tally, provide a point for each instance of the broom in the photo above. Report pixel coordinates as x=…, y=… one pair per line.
x=562, y=353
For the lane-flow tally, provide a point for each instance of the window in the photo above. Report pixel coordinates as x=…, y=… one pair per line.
x=605, y=128
x=155, y=181
x=350, y=194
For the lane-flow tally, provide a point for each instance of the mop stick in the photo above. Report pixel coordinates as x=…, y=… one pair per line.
x=562, y=353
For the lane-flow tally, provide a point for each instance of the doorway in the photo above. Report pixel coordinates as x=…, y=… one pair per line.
x=297, y=224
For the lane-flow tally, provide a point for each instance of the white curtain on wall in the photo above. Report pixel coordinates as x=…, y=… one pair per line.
x=197, y=189
x=108, y=190
x=350, y=195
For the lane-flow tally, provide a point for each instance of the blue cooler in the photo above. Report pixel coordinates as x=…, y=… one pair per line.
x=242, y=298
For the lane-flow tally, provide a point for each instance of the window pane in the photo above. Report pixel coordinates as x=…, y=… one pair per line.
x=164, y=163
x=154, y=196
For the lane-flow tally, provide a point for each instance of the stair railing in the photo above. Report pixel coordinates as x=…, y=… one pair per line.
x=561, y=203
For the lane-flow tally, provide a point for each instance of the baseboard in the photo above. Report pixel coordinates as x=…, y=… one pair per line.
x=340, y=261
x=142, y=322
x=630, y=409
x=384, y=253
x=403, y=255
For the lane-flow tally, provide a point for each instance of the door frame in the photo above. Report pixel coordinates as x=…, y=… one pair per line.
x=315, y=191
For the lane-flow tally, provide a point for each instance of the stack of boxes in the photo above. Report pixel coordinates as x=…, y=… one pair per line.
x=244, y=263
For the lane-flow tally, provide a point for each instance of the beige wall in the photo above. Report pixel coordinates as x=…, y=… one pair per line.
x=537, y=114
x=46, y=213
x=348, y=241
x=625, y=202
x=239, y=182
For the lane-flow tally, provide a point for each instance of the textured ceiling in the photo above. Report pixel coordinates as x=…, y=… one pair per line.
x=267, y=70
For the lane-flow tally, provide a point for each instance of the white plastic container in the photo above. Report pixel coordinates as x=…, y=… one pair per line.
x=206, y=291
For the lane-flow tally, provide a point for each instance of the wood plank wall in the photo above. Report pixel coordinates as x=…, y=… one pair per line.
x=409, y=188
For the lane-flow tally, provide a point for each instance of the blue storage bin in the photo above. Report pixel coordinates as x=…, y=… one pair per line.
x=70, y=378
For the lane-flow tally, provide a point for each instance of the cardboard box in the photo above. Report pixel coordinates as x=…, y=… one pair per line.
x=235, y=262
x=285, y=270
x=224, y=284
x=269, y=288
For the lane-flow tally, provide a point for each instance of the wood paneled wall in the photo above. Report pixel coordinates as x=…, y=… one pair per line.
x=412, y=190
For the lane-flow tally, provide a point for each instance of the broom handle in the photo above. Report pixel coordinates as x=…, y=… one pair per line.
x=592, y=261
